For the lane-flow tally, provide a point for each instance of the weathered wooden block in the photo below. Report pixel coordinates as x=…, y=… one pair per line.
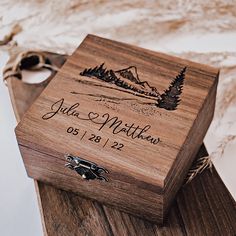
x=119, y=124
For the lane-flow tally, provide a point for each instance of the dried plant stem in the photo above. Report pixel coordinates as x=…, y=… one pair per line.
x=8, y=38
x=198, y=167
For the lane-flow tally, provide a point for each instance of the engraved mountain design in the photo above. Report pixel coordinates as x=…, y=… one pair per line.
x=128, y=79
x=125, y=78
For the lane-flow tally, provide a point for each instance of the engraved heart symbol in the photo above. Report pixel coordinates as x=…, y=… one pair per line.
x=93, y=115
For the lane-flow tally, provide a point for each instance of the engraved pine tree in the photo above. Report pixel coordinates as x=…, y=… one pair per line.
x=170, y=99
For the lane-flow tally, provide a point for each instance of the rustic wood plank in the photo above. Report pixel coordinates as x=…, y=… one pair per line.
x=203, y=207
x=150, y=105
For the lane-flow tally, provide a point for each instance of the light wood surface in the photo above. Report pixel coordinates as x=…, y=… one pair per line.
x=203, y=207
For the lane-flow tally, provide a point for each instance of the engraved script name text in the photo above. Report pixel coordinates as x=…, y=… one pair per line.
x=103, y=121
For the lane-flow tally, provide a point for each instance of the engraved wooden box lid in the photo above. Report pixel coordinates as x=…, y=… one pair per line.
x=130, y=119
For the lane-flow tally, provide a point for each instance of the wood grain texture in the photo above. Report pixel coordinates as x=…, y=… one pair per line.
x=121, y=102
x=203, y=207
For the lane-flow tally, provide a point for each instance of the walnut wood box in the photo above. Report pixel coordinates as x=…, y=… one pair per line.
x=132, y=120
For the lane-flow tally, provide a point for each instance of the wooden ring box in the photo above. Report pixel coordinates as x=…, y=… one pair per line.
x=127, y=121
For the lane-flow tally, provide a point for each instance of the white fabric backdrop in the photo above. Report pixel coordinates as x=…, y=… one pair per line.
x=203, y=31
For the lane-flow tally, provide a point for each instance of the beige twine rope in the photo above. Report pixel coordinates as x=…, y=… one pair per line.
x=13, y=67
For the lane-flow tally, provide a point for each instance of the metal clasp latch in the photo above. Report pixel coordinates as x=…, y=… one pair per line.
x=86, y=169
